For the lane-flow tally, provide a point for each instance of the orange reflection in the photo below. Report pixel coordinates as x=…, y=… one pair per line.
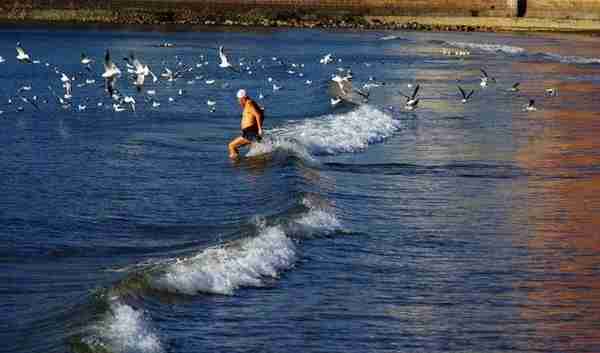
x=560, y=146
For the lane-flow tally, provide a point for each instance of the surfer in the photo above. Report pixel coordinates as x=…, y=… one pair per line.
x=252, y=121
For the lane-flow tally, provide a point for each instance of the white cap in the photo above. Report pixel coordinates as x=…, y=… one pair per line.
x=241, y=93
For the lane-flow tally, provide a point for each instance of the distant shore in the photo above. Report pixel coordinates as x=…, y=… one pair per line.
x=261, y=18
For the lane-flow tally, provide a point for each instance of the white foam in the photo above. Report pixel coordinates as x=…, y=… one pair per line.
x=223, y=269
x=572, y=59
x=246, y=262
x=488, y=47
x=333, y=134
x=319, y=219
x=126, y=330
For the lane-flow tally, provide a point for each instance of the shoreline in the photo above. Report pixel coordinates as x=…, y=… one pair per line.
x=276, y=19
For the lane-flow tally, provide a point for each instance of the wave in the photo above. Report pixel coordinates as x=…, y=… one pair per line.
x=249, y=261
x=223, y=269
x=330, y=134
x=568, y=59
x=123, y=330
x=488, y=47
x=513, y=50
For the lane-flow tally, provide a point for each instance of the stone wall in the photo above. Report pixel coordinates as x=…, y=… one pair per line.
x=495, y=8
x=563, y=9
x=547, y=9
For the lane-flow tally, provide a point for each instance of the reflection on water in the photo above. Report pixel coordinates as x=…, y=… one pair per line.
x=563, y=198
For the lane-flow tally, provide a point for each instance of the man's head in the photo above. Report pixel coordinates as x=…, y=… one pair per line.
x=242, y=96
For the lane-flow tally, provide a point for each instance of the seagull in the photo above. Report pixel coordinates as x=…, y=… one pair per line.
x=141, y=71
x=412, y=101
x=515, y=87
x=551, y=92
x=225, y=61
x=276, y=88
x=2, y=60
x=67, y=87
x=335, y=101
x=343, y=83
x=117, y=107
x=327, y=59
x=308, y=82
x=66, y=84
x=21, y=55
x=465, y=97
x=24, y=88
x=111, y=73
x=27, y=100
x=531, y=106
x=131, y=101
x=81, y=107
x=65, y=104
x=209, y=82
x=85, y=60
x=485, y=78
x=155, y=104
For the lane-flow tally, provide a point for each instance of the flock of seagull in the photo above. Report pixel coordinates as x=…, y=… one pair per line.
x=341, y=88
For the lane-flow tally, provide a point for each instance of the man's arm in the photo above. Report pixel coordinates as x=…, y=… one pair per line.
x=258, y=116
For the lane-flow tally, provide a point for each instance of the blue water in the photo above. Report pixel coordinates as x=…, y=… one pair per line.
x=352, y=228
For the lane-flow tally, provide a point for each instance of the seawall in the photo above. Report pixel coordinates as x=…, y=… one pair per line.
x=568, y=15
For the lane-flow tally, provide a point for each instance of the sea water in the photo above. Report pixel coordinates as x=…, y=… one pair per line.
x=352, y=228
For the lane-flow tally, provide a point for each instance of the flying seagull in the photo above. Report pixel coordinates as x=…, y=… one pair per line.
x=225, y=61
x=485, y=78
x=412, y=100
x=465, y=97
x=141, y=71
x=22, y=56
x=111, y=73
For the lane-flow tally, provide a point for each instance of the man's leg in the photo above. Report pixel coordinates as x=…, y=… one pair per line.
x=235, y=145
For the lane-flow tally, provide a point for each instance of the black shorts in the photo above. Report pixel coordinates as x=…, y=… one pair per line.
x=251, y=134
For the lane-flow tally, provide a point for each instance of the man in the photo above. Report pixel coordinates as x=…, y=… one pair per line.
x=252, y=120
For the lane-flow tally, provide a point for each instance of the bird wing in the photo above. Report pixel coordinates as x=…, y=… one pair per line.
x=140, y=80
x=462, y=92
x=154, y=78
x=20, y=51
x=136, y=63
x=470, y=94
x=108, y=64
x=484, y=73
x=414, y=95
x=223, y=57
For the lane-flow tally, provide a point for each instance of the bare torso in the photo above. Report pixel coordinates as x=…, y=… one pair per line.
x=250, y=114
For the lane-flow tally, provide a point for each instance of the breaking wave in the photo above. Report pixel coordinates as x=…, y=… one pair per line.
x=249, y=261
x=331, y=134
x=124, y=330
x=568, y=59
x=487, y=47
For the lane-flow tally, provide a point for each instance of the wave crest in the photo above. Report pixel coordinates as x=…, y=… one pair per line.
x=488, y=47
x=124, y=330
x=331, y=134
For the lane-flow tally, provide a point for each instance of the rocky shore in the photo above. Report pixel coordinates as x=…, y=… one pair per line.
x=294, y=19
